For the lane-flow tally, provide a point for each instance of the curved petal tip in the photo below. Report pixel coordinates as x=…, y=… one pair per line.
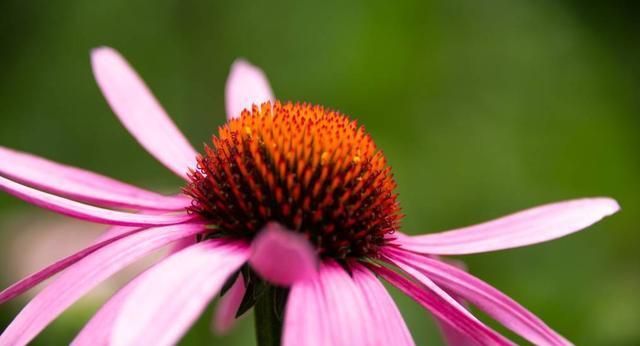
x=246, y=85
x=610, y=206
x=102, y=50
x=283, y=257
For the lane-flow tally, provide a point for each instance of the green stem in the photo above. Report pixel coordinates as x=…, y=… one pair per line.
x=268, y=318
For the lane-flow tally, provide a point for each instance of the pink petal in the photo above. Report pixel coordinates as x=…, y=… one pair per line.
x=172, y=294
x=442, y=306
x=36, y=278
x=452, y=336
x=84, y=275
x=114, y=231
x=247, y=85
x=527, y=227
x=329, y=309
x=81, y=185
x=388, y=322
x=180, y=245
x=117, y=230
x=98, y=330
x=87, y=212
x=225, y=316
x=281, y=256
x=140, y=112
x=488, y=299
x=306, y=320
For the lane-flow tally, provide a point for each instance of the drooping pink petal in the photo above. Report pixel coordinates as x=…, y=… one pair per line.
x=36, y=278
x=282, y=256
x=87, y=212
x=97, y=331
x=306, y=320
x=442, y=306
x=82, y=276
x=246, y=85
x=495, y=303
x=140, y=112
x=527, y=227
x=451, y=335
x=329, y=309
x=454, y=337
x=388, y=322
x=225, y=315
x=114, y=231
x=172, y=294
x=181, y=244
x=80, y=184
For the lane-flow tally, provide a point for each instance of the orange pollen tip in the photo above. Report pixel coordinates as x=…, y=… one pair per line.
x=309, y=168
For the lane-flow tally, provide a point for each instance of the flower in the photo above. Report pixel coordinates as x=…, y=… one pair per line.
x=290, y=199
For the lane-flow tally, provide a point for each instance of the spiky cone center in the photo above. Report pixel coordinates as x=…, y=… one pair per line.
x=309, y=168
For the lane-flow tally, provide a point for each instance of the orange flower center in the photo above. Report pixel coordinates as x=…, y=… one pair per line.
x=309, y=168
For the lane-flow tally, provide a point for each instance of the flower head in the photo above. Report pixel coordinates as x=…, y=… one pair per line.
x=290, y=199
x=311, y=169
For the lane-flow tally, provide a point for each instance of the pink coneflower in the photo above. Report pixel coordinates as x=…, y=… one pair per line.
x=290, y=210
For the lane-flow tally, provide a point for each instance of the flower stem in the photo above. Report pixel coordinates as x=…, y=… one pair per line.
x=268, y=316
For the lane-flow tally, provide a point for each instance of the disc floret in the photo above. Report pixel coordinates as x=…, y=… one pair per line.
x=309, y=168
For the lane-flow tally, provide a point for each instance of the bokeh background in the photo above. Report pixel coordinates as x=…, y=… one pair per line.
x=482, y=107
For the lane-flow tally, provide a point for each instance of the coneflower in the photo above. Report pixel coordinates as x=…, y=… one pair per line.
x=290, y=210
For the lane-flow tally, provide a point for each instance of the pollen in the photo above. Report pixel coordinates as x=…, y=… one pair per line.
x=312, y=169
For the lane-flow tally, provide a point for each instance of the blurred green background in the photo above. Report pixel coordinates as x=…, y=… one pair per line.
x=482, y=108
